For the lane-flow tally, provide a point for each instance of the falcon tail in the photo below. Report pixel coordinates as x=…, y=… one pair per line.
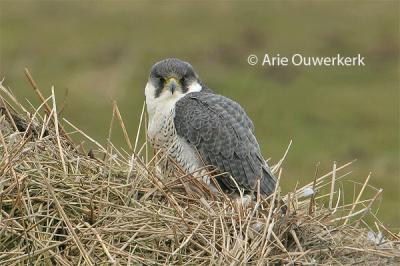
x=267, y=187
x=268, y=181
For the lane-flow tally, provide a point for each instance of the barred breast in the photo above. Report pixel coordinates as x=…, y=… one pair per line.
x=163, y=137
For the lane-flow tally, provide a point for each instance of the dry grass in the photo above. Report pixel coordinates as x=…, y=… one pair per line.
x=62, y=206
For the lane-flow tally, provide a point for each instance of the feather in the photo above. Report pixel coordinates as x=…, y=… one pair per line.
x=219, y=129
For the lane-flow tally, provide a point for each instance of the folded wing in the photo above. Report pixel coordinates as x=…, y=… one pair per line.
x=223, y=135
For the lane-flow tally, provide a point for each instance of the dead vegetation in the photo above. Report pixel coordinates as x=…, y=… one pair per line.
x=61, y=204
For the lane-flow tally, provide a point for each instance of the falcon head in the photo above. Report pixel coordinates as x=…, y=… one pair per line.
x=170, y=80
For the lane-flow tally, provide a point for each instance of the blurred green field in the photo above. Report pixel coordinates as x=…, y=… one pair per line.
x=102, y=52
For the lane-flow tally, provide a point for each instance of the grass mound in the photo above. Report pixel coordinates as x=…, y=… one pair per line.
x=63, y=205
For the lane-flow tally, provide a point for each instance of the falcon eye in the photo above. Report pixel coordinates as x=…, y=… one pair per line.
x=160, y=80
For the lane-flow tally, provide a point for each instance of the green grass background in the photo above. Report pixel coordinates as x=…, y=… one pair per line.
x=102, y=51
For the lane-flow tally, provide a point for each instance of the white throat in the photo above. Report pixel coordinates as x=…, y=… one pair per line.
x=165, y=102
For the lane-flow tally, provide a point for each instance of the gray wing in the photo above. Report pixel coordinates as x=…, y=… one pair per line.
x=223, y=135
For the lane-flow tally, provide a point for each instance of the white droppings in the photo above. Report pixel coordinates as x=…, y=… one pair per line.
x=244, y=200
x=376, y=238
x=257, y=226
x=308, y=192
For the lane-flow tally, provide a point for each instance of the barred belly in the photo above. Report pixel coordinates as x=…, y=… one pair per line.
x=169, y=145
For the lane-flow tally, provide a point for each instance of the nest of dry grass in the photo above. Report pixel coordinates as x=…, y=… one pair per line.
x=63, y=205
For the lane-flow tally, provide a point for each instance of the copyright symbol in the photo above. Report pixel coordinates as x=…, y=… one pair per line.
x=252, y=60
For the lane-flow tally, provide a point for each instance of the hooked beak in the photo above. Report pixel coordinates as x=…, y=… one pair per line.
x=171, y=84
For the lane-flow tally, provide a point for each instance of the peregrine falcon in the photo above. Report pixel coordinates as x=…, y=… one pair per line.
x=200, y=129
